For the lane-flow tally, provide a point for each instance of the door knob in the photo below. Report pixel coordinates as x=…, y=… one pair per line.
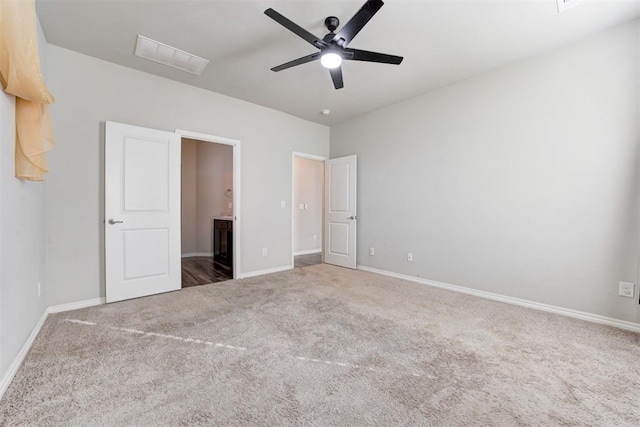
x=351, y=217
x=113, y=221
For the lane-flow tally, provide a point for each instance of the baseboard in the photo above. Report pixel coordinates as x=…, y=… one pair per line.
x=307, y=252
x=76, y=305
x=589, y=317
x=17, y=361
x=267, y=271
x=194, y=254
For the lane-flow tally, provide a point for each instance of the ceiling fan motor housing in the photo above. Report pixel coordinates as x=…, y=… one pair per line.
x=331, y=23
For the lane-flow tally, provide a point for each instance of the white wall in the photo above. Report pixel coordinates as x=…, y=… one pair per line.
x=522, y=181
x=88, y=92
x=308, y=190
x=22, y=240
x=214, y=177
x=188, y=193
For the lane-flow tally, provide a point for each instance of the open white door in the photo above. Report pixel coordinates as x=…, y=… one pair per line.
x=340, y=212
x=142, y=211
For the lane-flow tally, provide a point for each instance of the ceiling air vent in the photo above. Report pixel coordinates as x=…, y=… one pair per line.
x=168, y=55
x=564, y=5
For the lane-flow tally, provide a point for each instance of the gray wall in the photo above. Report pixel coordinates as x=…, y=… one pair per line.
x=522, y=181
x=22, y=239
x=90, y=91
x=308, y=190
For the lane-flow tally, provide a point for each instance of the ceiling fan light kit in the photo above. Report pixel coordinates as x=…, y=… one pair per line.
x=333, y=47
x=331, y=60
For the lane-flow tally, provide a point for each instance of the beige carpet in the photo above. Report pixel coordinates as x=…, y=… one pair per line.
x=323, y=346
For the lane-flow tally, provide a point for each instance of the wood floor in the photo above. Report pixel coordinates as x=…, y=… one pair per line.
x=307, y=260
x=201, y=271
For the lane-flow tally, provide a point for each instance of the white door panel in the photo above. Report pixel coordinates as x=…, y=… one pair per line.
x=340, y=214
x=339, y=199
x=340, y=238
x=145, y=253
x=142, y=211
x=146, y=173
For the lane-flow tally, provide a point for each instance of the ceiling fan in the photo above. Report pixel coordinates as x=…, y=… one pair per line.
x=333, y=47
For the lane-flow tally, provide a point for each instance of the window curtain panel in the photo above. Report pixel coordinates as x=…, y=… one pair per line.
x=20, y=76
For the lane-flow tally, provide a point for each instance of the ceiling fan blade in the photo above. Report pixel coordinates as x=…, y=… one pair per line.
x=298, y=61
x=336, y=76
x=365, y=55
x=359, y=20
x=295, y=28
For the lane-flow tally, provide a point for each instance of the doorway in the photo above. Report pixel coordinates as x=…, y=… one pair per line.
x=210, y=208
x=142, y=210
x=307, y=209
x=206, y=212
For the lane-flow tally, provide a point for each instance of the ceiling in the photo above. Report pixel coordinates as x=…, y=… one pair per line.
x=442, y=42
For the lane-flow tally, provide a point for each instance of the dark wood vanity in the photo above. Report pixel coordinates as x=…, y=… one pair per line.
x=223, y=243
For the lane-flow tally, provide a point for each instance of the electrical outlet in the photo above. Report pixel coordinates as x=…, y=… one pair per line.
x=410, y=257
x=39, y=289
x=372, y=251
x=264, y=252
x=626, y=289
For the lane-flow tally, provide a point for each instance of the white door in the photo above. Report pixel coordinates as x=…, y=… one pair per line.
x=142, y=211
x=340, y=212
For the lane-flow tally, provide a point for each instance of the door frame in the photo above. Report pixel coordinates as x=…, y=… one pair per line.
x=236, y=189
x=301, y=155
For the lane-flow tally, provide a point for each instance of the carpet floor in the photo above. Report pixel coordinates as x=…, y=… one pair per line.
x=323, y=346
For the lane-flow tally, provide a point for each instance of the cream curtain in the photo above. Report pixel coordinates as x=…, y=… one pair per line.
x=20, y=76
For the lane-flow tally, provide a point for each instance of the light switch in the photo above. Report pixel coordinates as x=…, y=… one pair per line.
x=283, y=204
x=306, y=206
